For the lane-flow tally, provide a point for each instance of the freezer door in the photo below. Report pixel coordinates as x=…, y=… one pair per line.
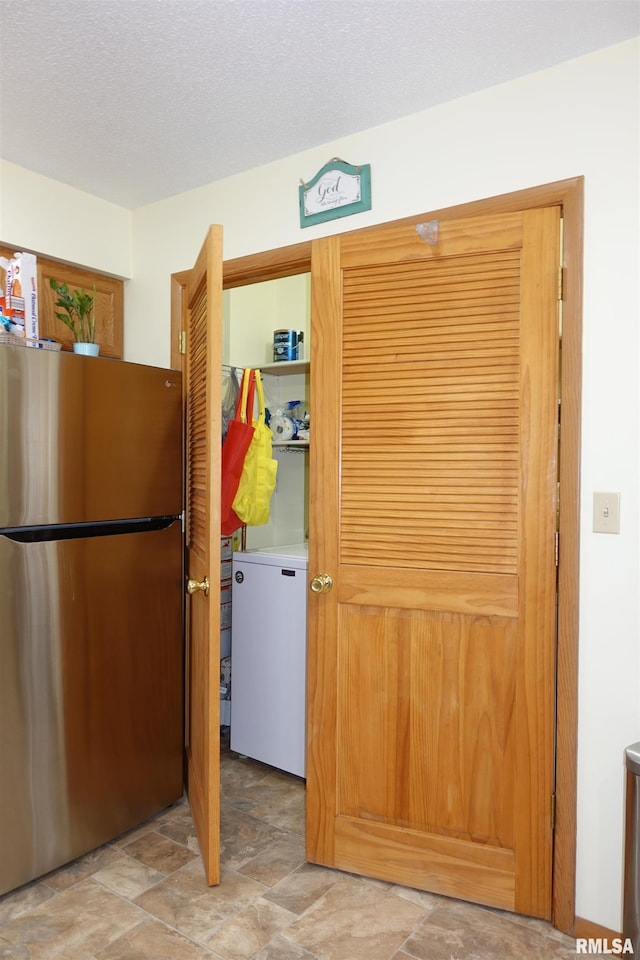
x=292, y=555
x=268, y=663
x=87, y=439
x=91, y=693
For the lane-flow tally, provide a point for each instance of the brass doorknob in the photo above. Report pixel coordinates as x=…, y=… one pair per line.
x=194, y=585
x=321, y=584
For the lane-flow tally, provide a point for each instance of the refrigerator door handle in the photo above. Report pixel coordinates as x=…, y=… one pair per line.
x=76, y=531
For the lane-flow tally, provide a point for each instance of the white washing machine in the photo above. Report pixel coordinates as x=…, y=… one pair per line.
x=269, y=655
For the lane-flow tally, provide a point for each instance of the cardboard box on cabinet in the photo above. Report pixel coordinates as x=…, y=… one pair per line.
x=21, y=294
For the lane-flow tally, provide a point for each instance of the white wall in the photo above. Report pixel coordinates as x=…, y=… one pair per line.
x=577, y=119
x=252, y=313
x=58, y=221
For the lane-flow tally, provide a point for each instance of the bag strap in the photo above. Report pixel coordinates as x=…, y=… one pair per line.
x=246, y=397
x=261, y=410
x=240, y=402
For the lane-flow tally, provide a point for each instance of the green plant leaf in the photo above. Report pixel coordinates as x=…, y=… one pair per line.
x=79, y=310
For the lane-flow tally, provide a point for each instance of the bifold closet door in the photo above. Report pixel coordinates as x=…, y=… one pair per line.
x=430, y=755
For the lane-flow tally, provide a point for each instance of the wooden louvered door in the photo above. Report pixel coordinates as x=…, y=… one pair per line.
x=433, y=508
x=203, y=413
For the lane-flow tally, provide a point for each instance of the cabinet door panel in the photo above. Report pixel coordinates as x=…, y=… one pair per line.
x=109, y=306
x=109, y=303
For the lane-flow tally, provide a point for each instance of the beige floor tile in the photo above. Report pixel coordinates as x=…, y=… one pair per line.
x=82, y=868
x=277, y=798
x=23, y=900
x=153, y=941
x=128, y=878
x=180, y=828
x=237, y=774
x=11, y=951
x=355, y=921
x=159, y=853
x=300, y=889
x=540, y=927
x=252, y=929
x=184, y=900
x=279, y=859
x=243, y=836
x=279, y=949
x=72, y=926
x=454, y=930
x=423, y=899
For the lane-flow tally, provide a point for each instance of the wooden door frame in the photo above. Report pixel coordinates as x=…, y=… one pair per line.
x=568, y=194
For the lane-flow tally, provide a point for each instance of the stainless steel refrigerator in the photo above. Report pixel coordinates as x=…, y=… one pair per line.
x=91, y=588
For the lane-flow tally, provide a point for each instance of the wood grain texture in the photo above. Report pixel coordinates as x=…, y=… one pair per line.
x=564, y=867
x=399, y=242
x=323, y=550
x=268, y=265
x=437, y=486
x=203, y=416
x=452, y=867
x=474, y=594
x=430, y=380
x=419, y=692
x=538, y=494
x=587, y=928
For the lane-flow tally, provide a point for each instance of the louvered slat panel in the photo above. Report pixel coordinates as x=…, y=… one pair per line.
x=435, y=434
x=197, y=423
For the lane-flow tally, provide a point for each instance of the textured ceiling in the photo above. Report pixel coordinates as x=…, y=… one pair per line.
x=137, y=100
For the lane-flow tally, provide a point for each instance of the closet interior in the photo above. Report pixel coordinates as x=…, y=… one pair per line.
x=263, y=584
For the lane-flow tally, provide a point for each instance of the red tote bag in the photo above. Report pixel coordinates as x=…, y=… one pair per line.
x=234, y=449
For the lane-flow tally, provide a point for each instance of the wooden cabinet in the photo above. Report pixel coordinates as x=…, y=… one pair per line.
x=109, y=303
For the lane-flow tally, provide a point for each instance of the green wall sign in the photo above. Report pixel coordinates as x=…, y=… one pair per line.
x=337, y=190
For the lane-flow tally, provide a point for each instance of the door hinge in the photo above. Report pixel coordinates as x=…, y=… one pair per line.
x=561, y=279
x=182, y=341
x=557, y=548
x=553, y=811
x=560, y=264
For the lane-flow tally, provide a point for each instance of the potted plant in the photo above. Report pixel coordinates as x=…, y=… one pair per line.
x=79, y=315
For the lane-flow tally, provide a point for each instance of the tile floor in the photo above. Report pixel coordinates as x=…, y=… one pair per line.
x=144, y=897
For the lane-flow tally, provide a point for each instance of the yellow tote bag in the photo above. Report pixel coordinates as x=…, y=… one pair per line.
x=258, y=478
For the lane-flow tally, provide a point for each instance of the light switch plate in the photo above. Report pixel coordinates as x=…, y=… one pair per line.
x=606, y=513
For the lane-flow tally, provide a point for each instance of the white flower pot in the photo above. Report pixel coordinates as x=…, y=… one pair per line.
x=89, y=349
